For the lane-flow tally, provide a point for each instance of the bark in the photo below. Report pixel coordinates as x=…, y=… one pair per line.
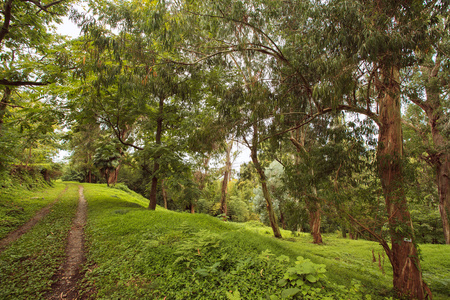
x=164, y=193
x=6, y=11
x=113, y=175
x=263, y=181
x=226, y=179
x=106, y=175
x=313, y=207
x=3, y=104
x=282, y=220
x=154, y=186
x=443, y=182
x=438, y=157
x=441, y=158
x=403, y=255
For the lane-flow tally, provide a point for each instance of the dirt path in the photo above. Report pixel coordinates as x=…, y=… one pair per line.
x=66, y=279
x=16, y=234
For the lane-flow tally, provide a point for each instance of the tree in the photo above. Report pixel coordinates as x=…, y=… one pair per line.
x=32, y=58
x=107, y=159
x=137, y=92
x=341, y=56
x=426, y=90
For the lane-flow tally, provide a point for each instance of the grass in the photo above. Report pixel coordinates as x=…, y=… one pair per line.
x=28, y=264
x=18, y=205
x=134, y=253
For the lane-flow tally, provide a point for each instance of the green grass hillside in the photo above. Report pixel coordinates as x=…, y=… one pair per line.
x=134, y=253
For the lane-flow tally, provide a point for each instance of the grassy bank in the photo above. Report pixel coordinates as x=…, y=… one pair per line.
x=139, y=254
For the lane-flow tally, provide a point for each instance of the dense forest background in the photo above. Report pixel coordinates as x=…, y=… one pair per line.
x=342, y=105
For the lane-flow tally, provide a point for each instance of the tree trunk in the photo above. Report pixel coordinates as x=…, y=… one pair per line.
x=344, y=230
x=226, y=179
x=443, y=182
x=164, y=193
x=106, y=175
x=113, y=175
x=404, y=257
x=283, y=222
x=154, y=186
x=3, y=104
x=263, y=181
x=440, y=160
x=313, y=207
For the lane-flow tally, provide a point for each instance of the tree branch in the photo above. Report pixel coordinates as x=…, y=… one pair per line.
x=7, y=14
x=369, y=114
x=44, y=7
x=21, y=83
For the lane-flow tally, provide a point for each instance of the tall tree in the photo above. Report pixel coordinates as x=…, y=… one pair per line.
x=342, y=55
x=427, y=89
x=31, y=58
x=132, y=88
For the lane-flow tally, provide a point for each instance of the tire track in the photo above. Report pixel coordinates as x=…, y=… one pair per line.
x=65, y=286
x=16, y=234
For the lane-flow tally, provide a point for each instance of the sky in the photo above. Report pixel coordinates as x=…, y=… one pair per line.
x=68, y=28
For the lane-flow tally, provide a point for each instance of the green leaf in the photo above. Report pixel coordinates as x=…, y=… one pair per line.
x=282, y=282
x=234, y=296
x=311, y=278
x=289, y=292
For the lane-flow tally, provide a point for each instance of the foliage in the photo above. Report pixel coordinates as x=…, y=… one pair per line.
x=33, y=58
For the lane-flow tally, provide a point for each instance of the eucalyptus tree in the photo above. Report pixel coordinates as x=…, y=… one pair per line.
x=339, y=55
x=248, y=109
x=374, y=43
x=326, y=166
x=428, y=90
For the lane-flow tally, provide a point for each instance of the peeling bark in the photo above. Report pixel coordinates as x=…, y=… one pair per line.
x=313, y=207
x=443, y=182
x=403, y=255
